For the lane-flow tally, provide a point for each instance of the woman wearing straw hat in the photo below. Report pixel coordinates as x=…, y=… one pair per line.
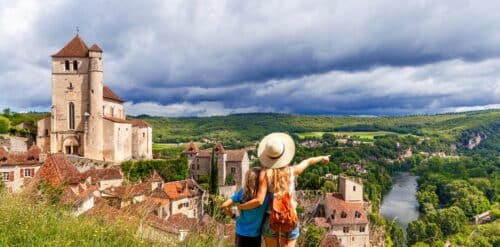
x=275, y=153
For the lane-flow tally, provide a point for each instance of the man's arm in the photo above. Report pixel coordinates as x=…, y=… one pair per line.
x=261, y=194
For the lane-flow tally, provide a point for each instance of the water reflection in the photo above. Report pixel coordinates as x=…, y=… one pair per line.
x=401, y=203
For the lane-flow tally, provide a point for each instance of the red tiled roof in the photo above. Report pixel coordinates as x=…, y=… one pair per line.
x=75, y=48
x=117, y=120
x=182, y=222
x=58, y=170
x=335, y=206
x=102, y=210
x=235, y=155
x=219, y=149
x=155, y=177
x=182, y=189
x=129, y=191
x=329, y=240
x=191, y=147
x=31, y=157
x=139, y=123
x=95, y=47
x=107, y=93
x=103, y=174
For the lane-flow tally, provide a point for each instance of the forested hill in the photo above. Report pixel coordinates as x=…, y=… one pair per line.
x=251, y=127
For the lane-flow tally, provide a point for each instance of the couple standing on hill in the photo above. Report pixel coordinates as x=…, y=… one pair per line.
x=266, y=201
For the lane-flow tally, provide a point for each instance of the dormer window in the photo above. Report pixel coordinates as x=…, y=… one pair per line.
x=343, y=215
x=357, y=214
x=75, y=65
x=66, y=65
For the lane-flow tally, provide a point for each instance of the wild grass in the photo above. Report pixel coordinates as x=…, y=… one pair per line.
x=28, y=223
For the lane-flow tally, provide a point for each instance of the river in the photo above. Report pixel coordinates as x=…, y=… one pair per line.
x=401, y=202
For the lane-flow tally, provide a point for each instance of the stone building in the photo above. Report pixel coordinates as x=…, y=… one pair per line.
x=345, y=215
x=233, y=164
x=88, y=118
x=17, y=168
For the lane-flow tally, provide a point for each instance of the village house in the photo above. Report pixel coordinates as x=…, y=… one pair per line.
x=232, y=164
x=104, y=178
x=57, y=171
x=186, y=197
x=17, y=168
x=345, y=214
x=87, y=118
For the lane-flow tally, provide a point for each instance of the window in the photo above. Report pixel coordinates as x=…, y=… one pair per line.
x=27, y=173
x=143, y=135
x=357, y=214
x=70, y=87
x=362, y=228
x=66, y=65
x=192, y=167
x=233, y=170
x=343, y=215
x=112, y=111
x=198, y=167
x=346, y=229
x=75, y=65
x=5, y=176
x=353, y=188
x=46, y=132
x=71, y=115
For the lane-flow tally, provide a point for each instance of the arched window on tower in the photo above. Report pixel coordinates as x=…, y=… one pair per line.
x=75, y=65
x=71, y=115
x=66, y=65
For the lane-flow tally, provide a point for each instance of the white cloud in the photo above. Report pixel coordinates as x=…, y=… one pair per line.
x=188, y=109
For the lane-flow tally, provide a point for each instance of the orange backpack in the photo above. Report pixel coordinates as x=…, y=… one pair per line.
x=283, y=217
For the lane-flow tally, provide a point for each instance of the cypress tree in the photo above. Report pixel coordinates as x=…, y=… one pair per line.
x=214, y=175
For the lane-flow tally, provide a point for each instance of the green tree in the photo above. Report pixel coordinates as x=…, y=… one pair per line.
x=427, y=198
x=4, y=125
x=450, y=220
x=314, y=235
x=416, y=232
x=214, y=175
x=397, y=234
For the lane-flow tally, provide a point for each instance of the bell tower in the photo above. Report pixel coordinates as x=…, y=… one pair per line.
x=94, y=118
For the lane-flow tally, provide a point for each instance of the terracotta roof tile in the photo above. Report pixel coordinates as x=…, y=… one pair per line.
x=155, y=177
x=117, y=120
x=103, y=174
x=329, y=240
x=335, y=207
x=182, y=189
x=191, y=147
x=107, y=93
x=129, y=191
x=58, y=170
x=95, y=47
x=235, y=155
x=139, y=123
x=75, y=48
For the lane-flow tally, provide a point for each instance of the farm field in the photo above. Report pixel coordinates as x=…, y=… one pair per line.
x=368, y=135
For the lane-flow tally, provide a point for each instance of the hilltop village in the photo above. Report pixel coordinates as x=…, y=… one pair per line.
x=103, y=165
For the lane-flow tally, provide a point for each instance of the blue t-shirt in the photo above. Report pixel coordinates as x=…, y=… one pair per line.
x=250, y=221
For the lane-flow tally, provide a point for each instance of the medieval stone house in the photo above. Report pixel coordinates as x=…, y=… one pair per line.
x=88, y=118
x=345, y=215
x=232, y=164
x=17, y=168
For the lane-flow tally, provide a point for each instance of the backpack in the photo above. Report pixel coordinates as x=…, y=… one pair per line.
x=283, y=217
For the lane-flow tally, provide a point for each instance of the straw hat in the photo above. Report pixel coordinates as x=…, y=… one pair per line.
x=276, y=150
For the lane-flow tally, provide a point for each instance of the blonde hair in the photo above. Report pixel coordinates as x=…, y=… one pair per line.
x=251, y=184
x=280, y=179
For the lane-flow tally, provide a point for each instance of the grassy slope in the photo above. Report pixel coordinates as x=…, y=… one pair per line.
x=25, y=223
x=251, y=127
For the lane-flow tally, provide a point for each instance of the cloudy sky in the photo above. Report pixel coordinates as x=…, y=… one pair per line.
x=199, y=58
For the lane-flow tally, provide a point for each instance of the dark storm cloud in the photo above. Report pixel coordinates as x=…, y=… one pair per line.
x=220, y=57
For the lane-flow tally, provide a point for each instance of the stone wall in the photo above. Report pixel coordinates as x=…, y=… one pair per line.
x=14, y=143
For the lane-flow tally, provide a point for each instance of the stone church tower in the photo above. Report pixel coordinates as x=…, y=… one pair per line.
x=87, y=118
